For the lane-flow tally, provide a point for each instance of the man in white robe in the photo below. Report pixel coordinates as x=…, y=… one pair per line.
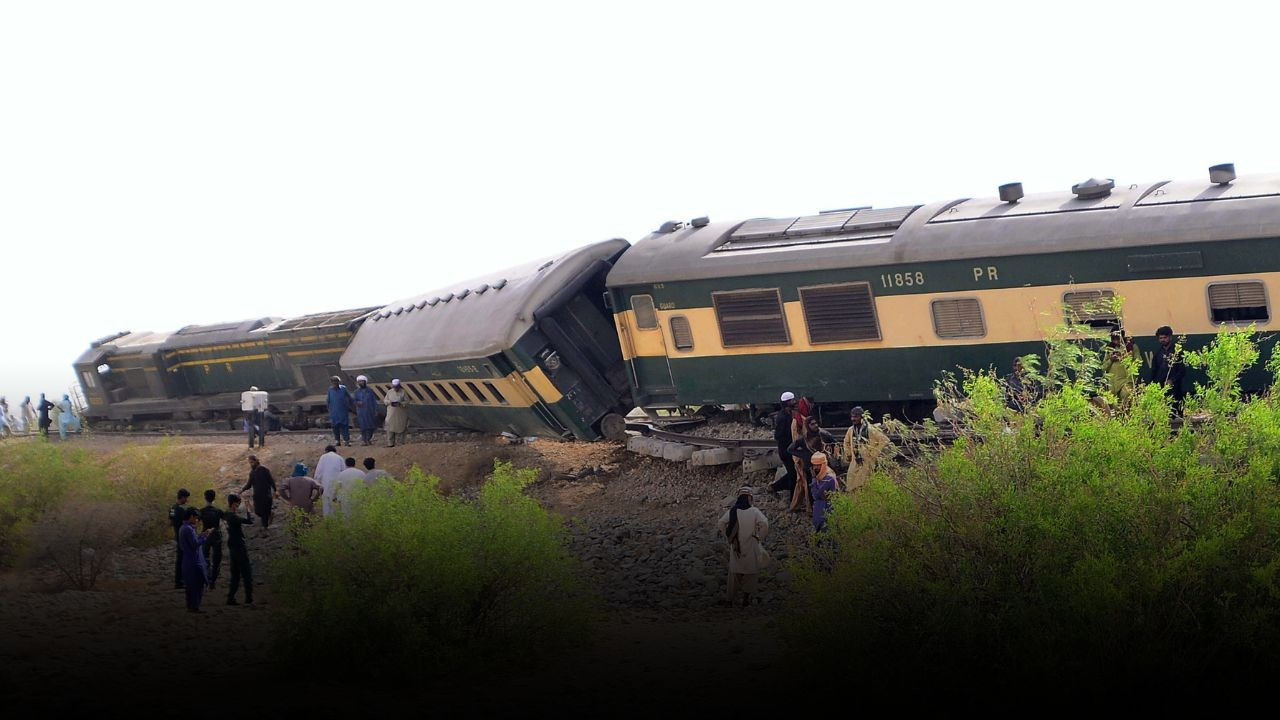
x=328, y=467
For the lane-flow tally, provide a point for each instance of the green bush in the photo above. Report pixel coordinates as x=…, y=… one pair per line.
x=147, y=477
x=1081, y=544
x=412, y=581
x=35, y=477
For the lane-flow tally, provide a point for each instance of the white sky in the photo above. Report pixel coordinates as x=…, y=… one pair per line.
x=168, y=163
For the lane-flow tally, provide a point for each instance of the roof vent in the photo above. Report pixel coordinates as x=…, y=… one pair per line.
x=433, y=301
x=1222, y=174
x=484, y=287
x=669, y=226
x=500, y=284
x=1011, y=192
x=699, y=222
x=1093, y=188
x=447, y=297
x=463, y=293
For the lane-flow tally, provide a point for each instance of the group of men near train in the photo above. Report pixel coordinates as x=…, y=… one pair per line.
x=42, y=415
x=802, y=443
x=341, y=404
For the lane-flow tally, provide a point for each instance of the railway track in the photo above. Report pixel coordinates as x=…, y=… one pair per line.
x=670, y=433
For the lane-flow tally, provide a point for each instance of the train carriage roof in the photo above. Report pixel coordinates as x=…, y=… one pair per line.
x=1130, y=216
x=472, y=319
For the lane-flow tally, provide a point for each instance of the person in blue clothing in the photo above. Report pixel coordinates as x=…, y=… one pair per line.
x=340, y=406
x=366, y=410
x=195, y=574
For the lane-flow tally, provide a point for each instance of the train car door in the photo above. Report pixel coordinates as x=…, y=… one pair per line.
x=649, y=354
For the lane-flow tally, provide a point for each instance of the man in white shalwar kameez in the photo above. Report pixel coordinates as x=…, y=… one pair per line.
x=397, y=416
x=328, y=467
x=746, y=528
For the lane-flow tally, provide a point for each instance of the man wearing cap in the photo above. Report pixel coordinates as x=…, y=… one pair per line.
x=782, y=435
x=397, y=416
x=366, y=410
x=863, y=443
x=1167, y=367
x=745, y=527
x=339, y=404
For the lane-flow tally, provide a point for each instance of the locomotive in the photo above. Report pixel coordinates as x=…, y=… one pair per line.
x=860, y=305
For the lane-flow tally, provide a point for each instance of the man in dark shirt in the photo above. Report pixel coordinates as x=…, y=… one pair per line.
x=211, y=519
x=237, y=550
x=264, y=489
x=1167, y=366
x=175, y=519
x=782, y=436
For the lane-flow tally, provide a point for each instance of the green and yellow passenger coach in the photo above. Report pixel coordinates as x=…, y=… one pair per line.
x=530, y=350
x=873, y=305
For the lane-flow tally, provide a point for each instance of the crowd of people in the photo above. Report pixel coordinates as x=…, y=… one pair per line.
x=806, y=472
x=341, y=404
x=30, y=417
x=198, y=557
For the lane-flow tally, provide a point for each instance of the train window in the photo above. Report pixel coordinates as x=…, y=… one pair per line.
x=646, y=315
x=476, y=392
x=89, y=382
x=681, y=332
x=751, y=317
x=840, y=313
x=959, y=318
x=1091, y=307
x=1238, y=302
x=458, y=393
x=414, y=392
x=493, y=390
x=444, y=393
x=426, y=387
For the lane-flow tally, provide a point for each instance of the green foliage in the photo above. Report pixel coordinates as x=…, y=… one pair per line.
x=148, y=477
x=1077, y=539
x=413, y=581
x=35, y=477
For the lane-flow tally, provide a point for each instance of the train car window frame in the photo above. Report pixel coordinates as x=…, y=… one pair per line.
x=687, y=332
x=460, y=392
x=497, y=394
x=426, y=387
x=982, y=317
x=475, y=390
x=1111, y=320
x=444, y=393
x=782, y=317
x=89, y=380
x=871, y=297
x=1266, y=303
x=652, y=312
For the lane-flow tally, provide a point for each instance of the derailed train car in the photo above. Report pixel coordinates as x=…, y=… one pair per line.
x=872, y=305
x=197, y=373
x=531, y=350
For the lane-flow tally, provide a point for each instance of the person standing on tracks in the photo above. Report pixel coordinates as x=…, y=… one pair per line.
x=238, y=551
x=863, y=443
x=340, y=405
x=814, y=440
x=66, y=414
x=327, y=469
x=28, y=415
x=264, y=490
x=366, y=410
x=6, y=425
x=782, y=435
x=177, y=516
x=824, y=483
x=1167, y=366
x=254, y=404
x=397, y=415
x=745, y=527
x=211, y=521
x=43, y=408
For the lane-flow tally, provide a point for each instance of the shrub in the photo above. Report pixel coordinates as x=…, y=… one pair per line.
x=1071, y=541
x=34, y=479
x=80, y=537
x=412, y=581
x=147, y=477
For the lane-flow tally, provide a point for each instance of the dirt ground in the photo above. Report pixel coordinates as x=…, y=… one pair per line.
x=645, y=528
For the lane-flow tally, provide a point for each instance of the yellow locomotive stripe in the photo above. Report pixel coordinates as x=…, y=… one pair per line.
x=257, y=344
x=323, y=351
x=218, y=361
x=543, y=385
x=1010, y=314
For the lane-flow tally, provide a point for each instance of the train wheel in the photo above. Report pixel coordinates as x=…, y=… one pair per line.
x=613, y=426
